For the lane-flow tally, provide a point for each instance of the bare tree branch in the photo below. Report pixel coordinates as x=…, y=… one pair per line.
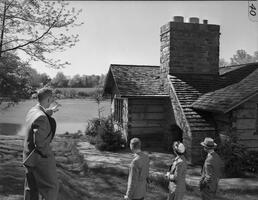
x=29, y=28
x=32, y=41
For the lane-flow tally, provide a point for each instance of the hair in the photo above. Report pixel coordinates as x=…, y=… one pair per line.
x=178, y=153
x=209, y=148
x=175, y=150
x=136, y=143
x=43, y=93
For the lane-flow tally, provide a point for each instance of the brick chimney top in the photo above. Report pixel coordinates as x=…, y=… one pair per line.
x=178, y=19
x=189, y=47
x=194, y=20
x=205, y=21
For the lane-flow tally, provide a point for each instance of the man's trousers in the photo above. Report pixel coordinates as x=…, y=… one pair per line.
x=41, y=179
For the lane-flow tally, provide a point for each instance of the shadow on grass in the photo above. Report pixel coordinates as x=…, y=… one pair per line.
x=112, y=184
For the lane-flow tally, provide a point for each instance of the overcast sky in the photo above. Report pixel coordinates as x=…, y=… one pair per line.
x=129, y=32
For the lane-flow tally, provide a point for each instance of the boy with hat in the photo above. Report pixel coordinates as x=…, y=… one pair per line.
x=211, y=171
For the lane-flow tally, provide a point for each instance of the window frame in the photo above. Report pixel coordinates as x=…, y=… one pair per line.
x=118, y=110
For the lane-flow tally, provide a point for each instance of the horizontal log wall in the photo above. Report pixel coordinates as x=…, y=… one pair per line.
x=241, y=121
x=147, y=119
x=224, y=123
x=245, y=123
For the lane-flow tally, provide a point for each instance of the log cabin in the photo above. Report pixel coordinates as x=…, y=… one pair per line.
x=188, y=97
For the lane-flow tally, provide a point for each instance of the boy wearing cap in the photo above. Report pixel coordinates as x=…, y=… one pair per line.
x=211, y=171
x=176, y=175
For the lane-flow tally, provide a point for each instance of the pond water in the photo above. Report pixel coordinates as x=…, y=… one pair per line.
x=72, y=116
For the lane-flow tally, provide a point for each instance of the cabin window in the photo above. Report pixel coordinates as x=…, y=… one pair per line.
x=118, y=114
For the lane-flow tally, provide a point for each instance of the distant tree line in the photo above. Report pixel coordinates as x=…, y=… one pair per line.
x=38, y=80
x=77, y=81
x=19, y=81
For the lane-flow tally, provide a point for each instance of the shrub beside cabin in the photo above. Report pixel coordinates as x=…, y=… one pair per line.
x=187, y=97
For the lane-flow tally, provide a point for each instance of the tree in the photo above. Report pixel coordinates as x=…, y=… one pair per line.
x=75, y=81
x=102, y=80
x=98, y=98
x=255, y=57
x=44, y=79
x=241, y=57
x=14, y=79
x=34, y=77
x=37, y=28
x=60, y=80
x=84, y=81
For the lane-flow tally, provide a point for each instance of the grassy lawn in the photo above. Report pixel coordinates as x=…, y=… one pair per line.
x=86, y=183
x=99, y=186
x=104, y=186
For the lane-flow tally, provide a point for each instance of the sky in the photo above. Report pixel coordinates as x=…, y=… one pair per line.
x=128, y=32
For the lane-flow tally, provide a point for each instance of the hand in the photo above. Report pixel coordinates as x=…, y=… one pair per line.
x=55, y=108
x=167, y=175
x=202, y=184
x=126, y=197
x=148, y=180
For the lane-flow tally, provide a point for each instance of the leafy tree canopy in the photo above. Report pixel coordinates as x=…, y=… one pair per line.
x=240, y=57
x=14, y=79
x=78, y=81
x=60, y=80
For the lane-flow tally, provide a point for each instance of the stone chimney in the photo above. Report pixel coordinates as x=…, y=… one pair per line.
x=189, y=47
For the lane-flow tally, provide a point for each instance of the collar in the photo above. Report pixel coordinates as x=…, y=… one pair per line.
x=211, y=152
x=41, y=107
x=138, y=153
x=177, y=157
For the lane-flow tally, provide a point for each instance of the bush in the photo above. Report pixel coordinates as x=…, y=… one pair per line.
x=251, y=162
x=72, y=93
x=83, y=94
x=57, y=91
x=102, y=134
x=92, y=127
x=236, y=158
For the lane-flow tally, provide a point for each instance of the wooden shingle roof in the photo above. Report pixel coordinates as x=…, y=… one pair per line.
x=239, y=71
x=227, y=98
x=188, y=89
x=198, y=94
x=234, y=74
x=136, y=80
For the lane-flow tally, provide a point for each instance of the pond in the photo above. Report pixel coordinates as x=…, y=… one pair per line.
x=72, y=116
